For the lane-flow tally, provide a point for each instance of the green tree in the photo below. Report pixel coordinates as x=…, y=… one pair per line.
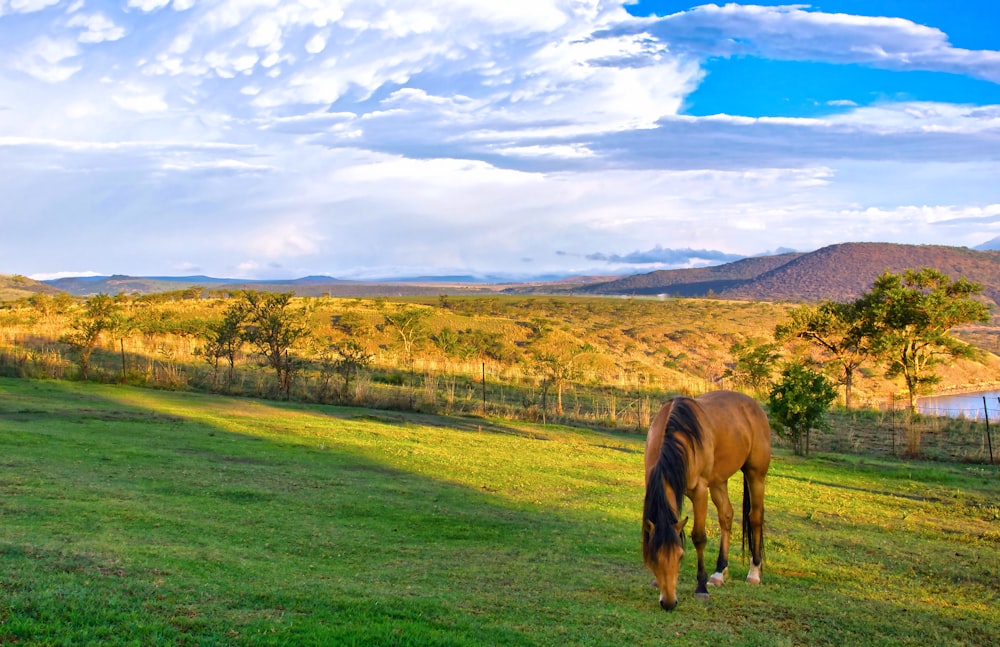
x=447, y=340
x=351, y=358
x=273, y=327
x=838, y=330
x=753, y=364
x=797, y=404
x=908, y=318
x=555, y=370
x=99, y=313
x=410, y=326
x=224, y=339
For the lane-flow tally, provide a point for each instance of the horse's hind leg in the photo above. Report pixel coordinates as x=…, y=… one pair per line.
x=754, y=512
x=720, y=497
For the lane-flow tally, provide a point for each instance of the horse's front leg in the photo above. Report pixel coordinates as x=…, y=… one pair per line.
x=720, y=497
x=699, y=501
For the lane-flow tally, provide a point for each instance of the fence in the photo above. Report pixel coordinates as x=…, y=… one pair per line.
x=894, y=431
x=626, y=406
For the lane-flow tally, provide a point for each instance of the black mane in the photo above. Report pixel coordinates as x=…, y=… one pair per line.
x=659, y=525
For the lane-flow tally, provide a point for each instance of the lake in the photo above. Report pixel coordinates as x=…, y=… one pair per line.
x=968, y=405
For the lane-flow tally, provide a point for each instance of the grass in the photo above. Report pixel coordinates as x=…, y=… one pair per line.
x=139, y=517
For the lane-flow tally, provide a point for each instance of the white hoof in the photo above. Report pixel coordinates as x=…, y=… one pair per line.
x=753, y=577
x=701, y=596
x=718, y=579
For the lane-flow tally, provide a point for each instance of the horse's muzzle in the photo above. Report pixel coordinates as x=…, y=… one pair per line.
x=668, y=606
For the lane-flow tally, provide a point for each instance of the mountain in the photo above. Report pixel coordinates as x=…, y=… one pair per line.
x=838, y=272
x=693, y=282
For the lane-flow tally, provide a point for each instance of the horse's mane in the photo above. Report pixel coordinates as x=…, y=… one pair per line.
x=659, y=522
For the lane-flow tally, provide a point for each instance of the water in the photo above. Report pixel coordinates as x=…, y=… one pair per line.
x=967, y=405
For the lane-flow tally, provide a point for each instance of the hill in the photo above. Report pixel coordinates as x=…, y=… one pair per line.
x=692, y=282
x=309, y=286
x=18, y=287
x=838, y=272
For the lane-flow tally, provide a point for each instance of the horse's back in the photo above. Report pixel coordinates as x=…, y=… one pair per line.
x=741, y=434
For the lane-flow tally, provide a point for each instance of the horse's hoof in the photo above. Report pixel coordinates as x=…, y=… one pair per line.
x=753, y=577
x=701, y=596
x=717, y=579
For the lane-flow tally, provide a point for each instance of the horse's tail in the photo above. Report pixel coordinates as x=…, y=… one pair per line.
x=747, y=530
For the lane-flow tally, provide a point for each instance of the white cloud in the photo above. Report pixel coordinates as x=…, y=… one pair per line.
x=25, y=6
x=347, y=135
x=96, y=28
x=51, y=276
x=140, y=100
x=266, y=34
x=795, y=33
x=147, y=5
x=288, y=239
x=44, y=59
x=316, y=44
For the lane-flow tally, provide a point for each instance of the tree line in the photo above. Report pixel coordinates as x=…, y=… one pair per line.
x=902, y=323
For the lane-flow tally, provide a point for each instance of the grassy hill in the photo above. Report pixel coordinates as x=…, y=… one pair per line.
x=149, y=517
x=19, y=287
x=837, y=272
x=693, y=282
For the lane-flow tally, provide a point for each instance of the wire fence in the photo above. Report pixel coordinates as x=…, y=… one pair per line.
x=893, y=431
x=956, y=428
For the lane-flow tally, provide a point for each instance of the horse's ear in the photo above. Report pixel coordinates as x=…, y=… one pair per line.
x=680, y=526
x=649, y=527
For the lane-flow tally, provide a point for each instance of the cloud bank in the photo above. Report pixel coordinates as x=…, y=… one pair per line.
x=361, y=138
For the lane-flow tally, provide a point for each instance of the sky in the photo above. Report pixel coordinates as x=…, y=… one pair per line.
x=366, y=139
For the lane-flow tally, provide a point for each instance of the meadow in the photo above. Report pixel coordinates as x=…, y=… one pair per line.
x=583, y=361
x=141, y=517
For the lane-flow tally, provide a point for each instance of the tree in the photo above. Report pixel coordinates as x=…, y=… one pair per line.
x=273, y=328
x=838, y=329
x=447, y=340
x=352, y=358
x=754, y=362
x=797, y=403
x=555, y=370
x=85, y=331
x=907, y=319
x=224, y=339
x=409, y=323
x=119, y=325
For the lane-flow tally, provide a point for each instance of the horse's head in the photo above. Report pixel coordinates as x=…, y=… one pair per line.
x=665, y=562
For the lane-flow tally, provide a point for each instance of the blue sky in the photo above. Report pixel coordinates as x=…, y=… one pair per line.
x=366, y=138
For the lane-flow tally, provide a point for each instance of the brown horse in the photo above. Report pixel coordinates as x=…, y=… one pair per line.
x=694, y=445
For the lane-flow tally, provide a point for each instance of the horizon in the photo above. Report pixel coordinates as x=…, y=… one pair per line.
x=484, y=279
x=543, y=138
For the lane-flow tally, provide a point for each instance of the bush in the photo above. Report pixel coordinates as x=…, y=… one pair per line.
x=797, y=404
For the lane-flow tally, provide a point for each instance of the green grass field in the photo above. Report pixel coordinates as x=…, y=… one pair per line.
x=139, y=517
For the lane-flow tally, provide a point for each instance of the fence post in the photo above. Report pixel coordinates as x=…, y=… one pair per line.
x=892, y=421
x=989, y=439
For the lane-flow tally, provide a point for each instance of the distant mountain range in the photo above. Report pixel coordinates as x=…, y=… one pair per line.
x=306, y=286
x=837, y=272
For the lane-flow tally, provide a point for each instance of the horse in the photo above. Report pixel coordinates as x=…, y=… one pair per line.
x=692, y=448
